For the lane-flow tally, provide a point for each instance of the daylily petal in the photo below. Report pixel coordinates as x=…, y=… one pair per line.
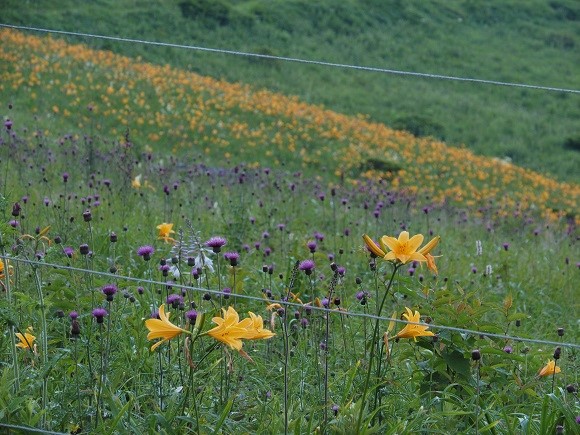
x=373, y=247
x=430, y=245
x=389, y=242
x=414, y=242
x=162, y=328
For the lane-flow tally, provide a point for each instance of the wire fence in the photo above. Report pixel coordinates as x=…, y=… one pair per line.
x=435, y=326
x=295, y=59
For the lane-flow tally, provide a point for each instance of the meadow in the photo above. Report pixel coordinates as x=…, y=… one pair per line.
x=533, y=42
x=131, y=190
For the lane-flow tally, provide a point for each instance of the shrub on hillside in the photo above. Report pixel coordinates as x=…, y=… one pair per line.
x=573, y=143
x=419, y=126
x=208, y=11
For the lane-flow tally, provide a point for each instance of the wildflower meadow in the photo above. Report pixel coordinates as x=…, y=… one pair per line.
x=184, y=255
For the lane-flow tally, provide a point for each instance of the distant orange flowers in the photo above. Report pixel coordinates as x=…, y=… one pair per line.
x=348, y=143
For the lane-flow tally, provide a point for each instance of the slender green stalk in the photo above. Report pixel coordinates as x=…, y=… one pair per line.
x=373, y=347
x=43, y=341
x=8, y=287
x=478, y=375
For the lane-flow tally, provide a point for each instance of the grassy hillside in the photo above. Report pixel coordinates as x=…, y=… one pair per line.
x=530, y=42
x=66, y=88
x=129, y=190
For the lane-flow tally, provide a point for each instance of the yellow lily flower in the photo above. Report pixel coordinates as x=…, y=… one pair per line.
x=164, y=231
x=26, y=339
x=403, y=249
x=549, y=369
x=3, y=267
x=413, y=331
x=257, y=328
x=162, y=328
x=229, y=329
x=136, y=182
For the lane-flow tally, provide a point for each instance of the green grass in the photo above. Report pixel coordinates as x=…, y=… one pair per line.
x=532, y=42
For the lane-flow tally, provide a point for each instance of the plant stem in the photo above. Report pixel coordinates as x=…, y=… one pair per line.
x=43, y=341
x=373, y=347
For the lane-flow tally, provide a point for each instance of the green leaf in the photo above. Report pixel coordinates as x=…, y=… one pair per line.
x=223, y=415
x=457, y=362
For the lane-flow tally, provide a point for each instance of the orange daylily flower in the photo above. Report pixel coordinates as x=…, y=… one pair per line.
x=549, y=369
x=26, y=339
x=165, y=230
x=231, y=331
x=413, y=331
x=162, y=328
x=403, y=249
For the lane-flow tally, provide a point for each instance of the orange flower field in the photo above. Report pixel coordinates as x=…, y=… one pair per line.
x=169, y=109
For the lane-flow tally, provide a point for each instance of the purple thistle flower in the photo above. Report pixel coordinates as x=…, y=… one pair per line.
x=307, y=266
x=109, y=290
x=227, y=292
x=174, y=300
x=265, y=235
x=335, y=409
x=84, y=249
x=319, y=236
x=16, y=209
x=216, y=243
x=68, y=251
x=99, y=314
x=506, y=246
x=508, y=349
x=146, y=252
x=14, y=223
x=312, y=246
x=73, y=315
x=164, y=269
x=191, y=316
x=232, y=257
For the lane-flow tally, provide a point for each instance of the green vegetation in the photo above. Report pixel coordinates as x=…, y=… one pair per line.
x=532, y=42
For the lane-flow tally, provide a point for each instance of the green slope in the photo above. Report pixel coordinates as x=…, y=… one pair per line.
x=533, y=42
